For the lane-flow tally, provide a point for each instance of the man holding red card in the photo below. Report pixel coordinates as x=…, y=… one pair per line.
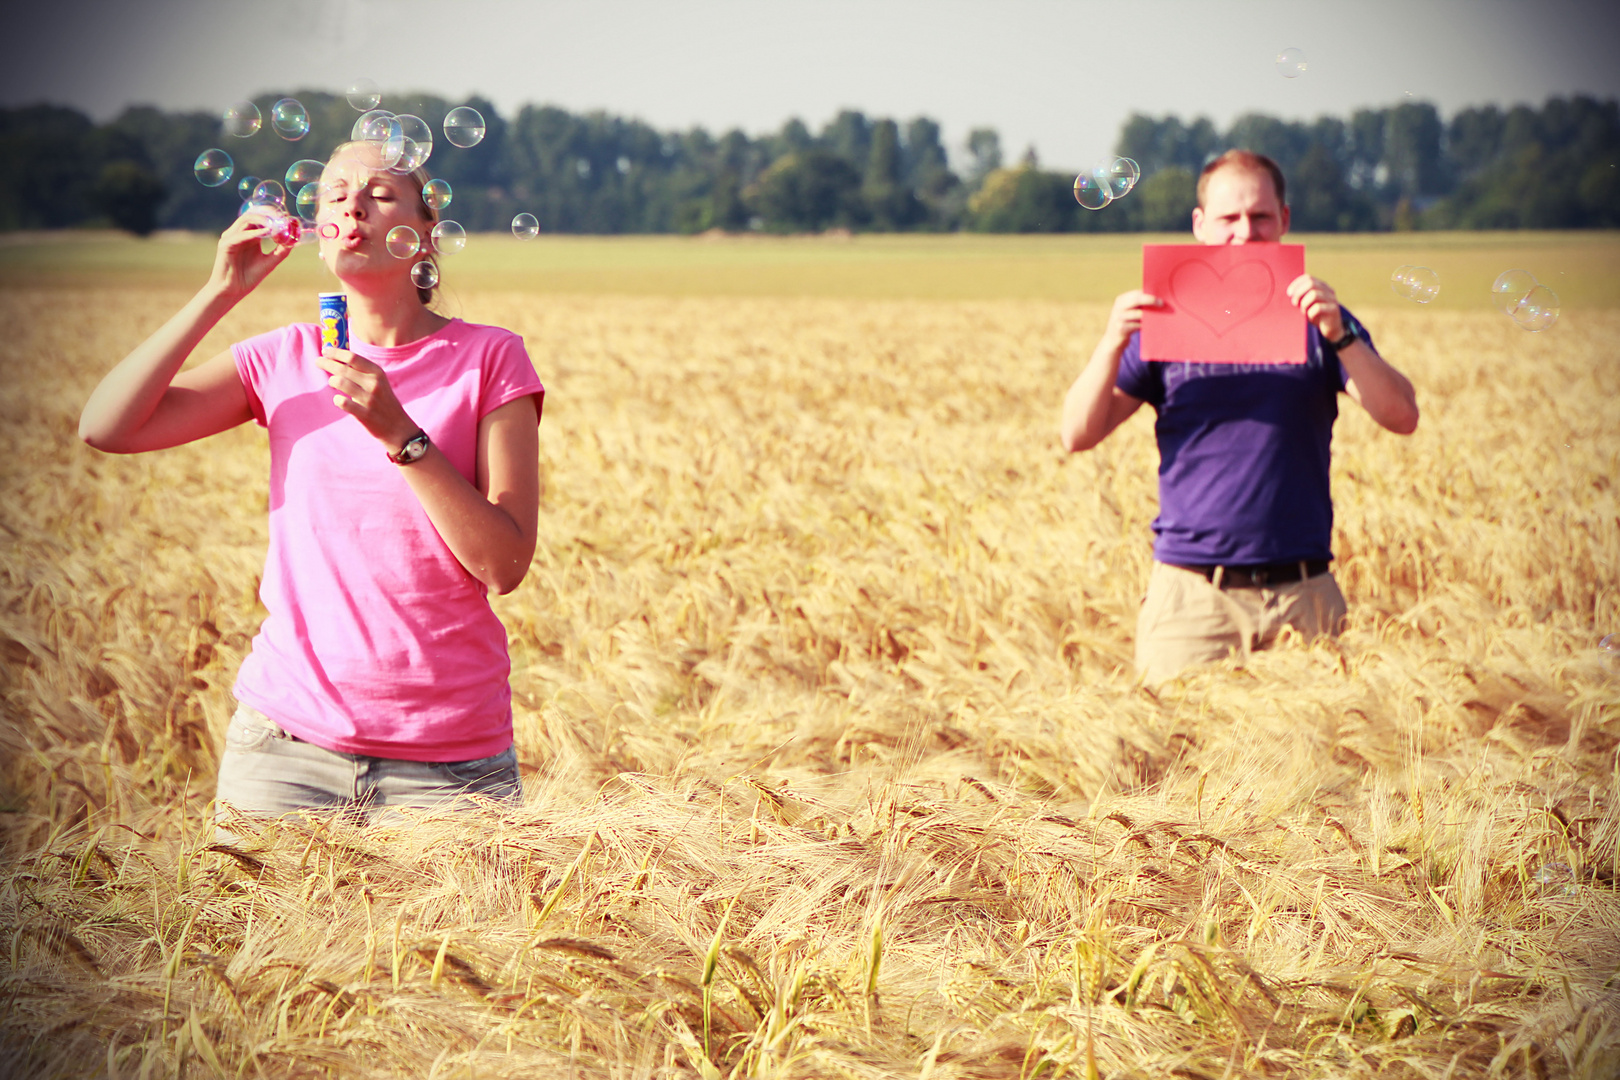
x=1243, y=356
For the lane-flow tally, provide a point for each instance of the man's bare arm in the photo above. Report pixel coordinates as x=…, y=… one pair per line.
x=1385, y=393
x=1095, y=406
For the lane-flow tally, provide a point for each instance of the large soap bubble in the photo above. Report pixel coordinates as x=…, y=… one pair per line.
x=464, y=126
x=1091, y=191
x=1538, y=310
x=403, y=242
x=1120, y=175
x=1418, y=283
x=213, y=167
x=525, y=227
x=242, y=119
x=269, y=193
x=424, y=275
x=1511, y=287
x=308, y=200
x=1531, y=304
x=1291, y=62
x=436, y=193
x=382, y=128
x=363, y=94
x=377, y=125
x=290, y=119
x=305, y=171
x=417, y=143
x=245, y=186
x=449, y=237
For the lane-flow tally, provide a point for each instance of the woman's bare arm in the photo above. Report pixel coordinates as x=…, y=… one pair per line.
x=146, y=402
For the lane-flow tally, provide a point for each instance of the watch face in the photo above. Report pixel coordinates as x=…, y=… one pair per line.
x=411, y=451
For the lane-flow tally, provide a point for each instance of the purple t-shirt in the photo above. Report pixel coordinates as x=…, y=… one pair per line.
x=1243, y=454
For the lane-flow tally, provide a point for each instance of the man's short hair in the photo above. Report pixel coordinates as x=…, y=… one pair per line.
x=1247, y=159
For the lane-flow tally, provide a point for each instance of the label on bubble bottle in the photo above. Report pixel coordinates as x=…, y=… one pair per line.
x=334, y=320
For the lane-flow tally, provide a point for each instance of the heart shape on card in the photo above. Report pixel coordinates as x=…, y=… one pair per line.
x=1222, y=302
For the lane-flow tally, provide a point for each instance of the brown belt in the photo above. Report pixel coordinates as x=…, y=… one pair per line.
x=1258, y=577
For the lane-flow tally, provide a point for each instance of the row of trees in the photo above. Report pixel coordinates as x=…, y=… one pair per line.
x=1401, y=167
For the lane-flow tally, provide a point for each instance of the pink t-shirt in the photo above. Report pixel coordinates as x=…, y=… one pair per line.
x=377, y=642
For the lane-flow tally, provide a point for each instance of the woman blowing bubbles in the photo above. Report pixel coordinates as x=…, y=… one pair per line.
x=404, y=484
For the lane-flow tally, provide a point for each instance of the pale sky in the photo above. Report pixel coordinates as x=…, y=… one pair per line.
x=1057, y=74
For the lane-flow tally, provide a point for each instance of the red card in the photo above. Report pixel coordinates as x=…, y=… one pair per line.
x=1223, y=304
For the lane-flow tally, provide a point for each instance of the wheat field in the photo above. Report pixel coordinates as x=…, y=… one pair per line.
x=834, y=761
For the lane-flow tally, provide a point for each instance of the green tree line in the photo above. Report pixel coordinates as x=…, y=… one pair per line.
x=1402, y=167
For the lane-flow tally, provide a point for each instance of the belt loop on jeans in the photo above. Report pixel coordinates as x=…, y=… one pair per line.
x=1217, y=576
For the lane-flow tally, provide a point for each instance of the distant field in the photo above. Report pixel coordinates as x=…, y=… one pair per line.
x=1583, y=268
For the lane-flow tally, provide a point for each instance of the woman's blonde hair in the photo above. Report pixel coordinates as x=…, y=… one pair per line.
x=419, y=178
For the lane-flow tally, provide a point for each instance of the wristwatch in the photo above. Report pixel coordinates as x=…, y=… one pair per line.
x=1348, y=340
x=413, y=450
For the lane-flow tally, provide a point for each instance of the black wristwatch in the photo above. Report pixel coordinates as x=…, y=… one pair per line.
x=415, y=446
x=1348, y=340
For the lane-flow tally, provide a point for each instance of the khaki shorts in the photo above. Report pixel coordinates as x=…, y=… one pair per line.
x=1186, y=620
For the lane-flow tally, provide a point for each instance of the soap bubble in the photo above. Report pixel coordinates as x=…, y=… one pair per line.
x=525, y=227
x=1418, y=283
x=1538, y=310
x=403, y=242
x=1511, y=287
x=383, y=128
x=213, y=167
x=1091, y=191
x=436, y=193
x=449, y=237
x=1291, y=63
x=399, y=153
x=424, y=275
x=289, y=119
x=329, y=230
x=245, y=186
x=303, y=172
x=242, y=119
x=363, y=94
x=308, y=202
x=269, y=193
x=378, y=125
x=418, y=143
x=1557, y=877
x=1120, y=176
x=464, y=126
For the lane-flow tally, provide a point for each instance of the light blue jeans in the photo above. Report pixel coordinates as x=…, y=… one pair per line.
x=266, y=771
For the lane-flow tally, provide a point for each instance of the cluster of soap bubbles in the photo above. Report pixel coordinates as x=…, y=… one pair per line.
x=1291, y=62
x=1531, y=304
x=1417, y=283
x=1105, y=183
x=404, y=144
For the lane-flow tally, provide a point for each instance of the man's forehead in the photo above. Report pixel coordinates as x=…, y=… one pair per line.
x=1236, y=178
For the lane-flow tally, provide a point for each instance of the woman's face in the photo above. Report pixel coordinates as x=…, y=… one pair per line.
x=360, y=202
